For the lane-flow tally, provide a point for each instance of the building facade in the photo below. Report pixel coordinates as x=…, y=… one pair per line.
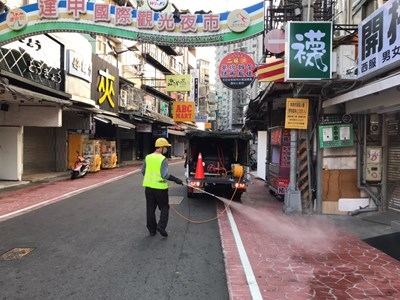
x=61, y=90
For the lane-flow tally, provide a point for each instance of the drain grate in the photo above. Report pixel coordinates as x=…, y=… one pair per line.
x=16, y=253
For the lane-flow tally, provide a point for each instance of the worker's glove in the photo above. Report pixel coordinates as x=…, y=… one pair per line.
x=176, y=179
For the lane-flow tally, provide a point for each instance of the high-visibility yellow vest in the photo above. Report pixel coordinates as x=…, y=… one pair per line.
x=152, y=175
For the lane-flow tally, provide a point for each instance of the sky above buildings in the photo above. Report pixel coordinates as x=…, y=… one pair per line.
x=216, y=6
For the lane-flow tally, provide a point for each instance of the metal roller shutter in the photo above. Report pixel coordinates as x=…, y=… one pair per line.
x=39, y=150
x=393, y=169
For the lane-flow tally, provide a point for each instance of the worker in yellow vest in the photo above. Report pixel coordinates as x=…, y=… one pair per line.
x=155, y=172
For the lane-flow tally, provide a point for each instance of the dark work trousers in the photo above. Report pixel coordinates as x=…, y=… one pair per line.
x=156, y=198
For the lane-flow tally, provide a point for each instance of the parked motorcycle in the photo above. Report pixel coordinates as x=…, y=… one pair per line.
x=80, y=167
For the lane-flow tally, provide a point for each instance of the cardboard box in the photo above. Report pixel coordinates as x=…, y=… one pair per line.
x=339, y=184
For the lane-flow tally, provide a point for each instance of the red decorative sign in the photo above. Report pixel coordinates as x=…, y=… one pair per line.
x=236, y=70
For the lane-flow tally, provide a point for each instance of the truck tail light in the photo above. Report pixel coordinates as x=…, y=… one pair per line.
x=195, y=183
x=239, y=185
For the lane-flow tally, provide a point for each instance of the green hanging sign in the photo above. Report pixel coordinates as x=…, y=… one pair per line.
x=308, y=51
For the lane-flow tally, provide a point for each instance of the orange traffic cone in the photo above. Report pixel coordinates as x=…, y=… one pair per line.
x=199, y=168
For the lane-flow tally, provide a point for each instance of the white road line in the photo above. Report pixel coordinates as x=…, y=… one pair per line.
x=65, y=196
x=62, y=197
x=251, y=280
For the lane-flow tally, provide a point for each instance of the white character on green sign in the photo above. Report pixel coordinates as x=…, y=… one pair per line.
x=311, y=49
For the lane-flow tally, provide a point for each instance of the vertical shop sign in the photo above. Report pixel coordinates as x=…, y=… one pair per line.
x=194, y=91
x=309, y=51
x=378, y=39
x=106, y=87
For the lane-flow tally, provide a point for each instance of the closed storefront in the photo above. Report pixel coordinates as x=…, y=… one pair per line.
x=39, y=150
x=393, y=171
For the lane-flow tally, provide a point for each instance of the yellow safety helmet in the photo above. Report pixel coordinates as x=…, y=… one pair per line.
x=161, y=142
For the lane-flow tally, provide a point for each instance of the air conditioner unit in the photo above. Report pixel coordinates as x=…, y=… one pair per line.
x=123, y=98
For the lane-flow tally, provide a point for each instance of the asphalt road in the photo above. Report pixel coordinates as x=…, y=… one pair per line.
x=388, y=243
x=96, y=246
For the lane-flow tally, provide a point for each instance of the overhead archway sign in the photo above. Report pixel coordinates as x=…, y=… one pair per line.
x=125, y=22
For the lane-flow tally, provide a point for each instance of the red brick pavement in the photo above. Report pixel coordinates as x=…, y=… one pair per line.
x=301, y=257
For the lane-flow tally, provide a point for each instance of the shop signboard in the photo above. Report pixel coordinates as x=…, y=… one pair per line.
x=163, y=132
x=296, y=113
x=378, y=41
x=183, y=111
x=236, y=70
x=201, y=119
x=194, y=91
x=105, y=84
x=79, y=66
x=308, y=51
x=140, y=127
x=37, y=58
x=178, y=83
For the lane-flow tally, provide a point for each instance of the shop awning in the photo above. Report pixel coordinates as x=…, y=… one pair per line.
x=160, y=118
x=114, y=121
x=13, y=93
x=176, y=132
x=380, y=96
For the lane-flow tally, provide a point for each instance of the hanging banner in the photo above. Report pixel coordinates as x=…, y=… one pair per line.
x=178, y=83
x=183, y=111
x=272, y=72
x=309, y=51
x=146, y=26
x=296, y=113
x=236, y=70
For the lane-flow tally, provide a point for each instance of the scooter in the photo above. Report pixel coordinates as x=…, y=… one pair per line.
x=80, y=167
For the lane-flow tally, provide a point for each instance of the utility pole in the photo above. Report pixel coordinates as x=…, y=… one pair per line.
x=292, y=203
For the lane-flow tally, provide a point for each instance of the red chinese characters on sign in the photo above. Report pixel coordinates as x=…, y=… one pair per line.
x=188, y=23
x=166, y=22
x=48, y=8
x=123, y=15
x=101, y=12
x=236, y=70
x=276, y=136
x=145, y=19
x=76, y=7
x=211, y=22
